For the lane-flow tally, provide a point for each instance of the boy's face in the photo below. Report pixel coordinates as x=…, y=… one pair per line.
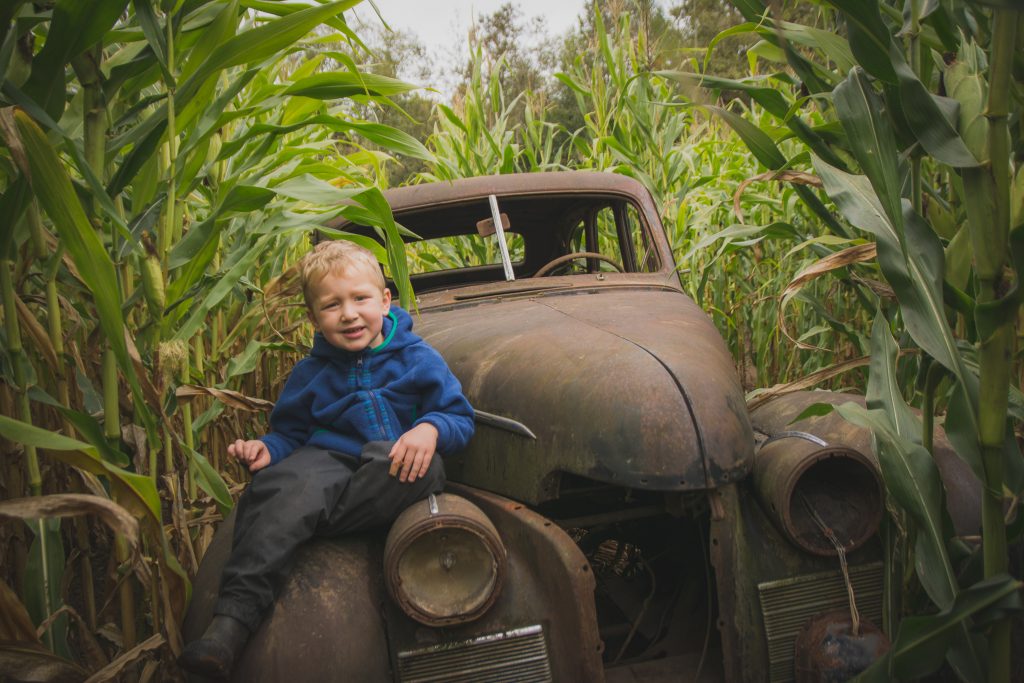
x=348, y=308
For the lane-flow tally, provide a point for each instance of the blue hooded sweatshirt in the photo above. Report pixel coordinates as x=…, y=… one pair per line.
x=339, y=400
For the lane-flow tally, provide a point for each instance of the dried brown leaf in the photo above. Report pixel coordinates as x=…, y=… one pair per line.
x=285, y=285
x=88, y=648
x=9, y=130
x=40, y=337
x=72, y=505
x=149, y=671
x=117, y=666
x=15, y=623
x=150, y=391
x=840, y=259
x=135, y=436
x=226, y=396
x=806, y=382
x=28, y=662
x=795, y=177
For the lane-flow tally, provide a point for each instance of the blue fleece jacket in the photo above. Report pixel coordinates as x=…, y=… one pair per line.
x=338, y=400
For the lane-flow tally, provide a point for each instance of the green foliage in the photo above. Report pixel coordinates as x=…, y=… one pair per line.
x=157, y=160
x=917, y=172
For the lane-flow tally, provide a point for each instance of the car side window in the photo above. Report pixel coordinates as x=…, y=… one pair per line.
x=645, y=253
x=607, y=238
x=597, y=232
x=617, y=232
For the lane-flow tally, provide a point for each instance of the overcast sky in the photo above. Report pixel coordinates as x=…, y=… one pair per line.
x=443, y=25
x=438, y=22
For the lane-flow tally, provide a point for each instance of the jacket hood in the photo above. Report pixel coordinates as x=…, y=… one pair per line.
x=397, y=320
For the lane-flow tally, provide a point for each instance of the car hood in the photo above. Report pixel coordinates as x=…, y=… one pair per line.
x=625, y=385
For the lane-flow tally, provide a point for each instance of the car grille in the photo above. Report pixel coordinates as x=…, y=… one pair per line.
x=789, y=603
x=517, y=655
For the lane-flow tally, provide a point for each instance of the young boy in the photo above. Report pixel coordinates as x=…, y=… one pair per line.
x=353, y=439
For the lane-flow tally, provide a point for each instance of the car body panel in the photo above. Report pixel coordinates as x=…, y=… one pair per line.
x=601, y=380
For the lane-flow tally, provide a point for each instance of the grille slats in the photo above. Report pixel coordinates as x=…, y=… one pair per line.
x=518, y=655
x=787, y=605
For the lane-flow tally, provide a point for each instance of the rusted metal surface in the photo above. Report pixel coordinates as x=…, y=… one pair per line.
x=748, y=552
x=519, y=655
x=963, y=490
x=334, y=614
x=444, y=562
x=807, y=484
x=326, y=620
x=790, y=604
x=828, y=650
x=549, y=582
x=626, y=386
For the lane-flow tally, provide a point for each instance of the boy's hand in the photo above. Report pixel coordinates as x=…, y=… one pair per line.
x=253, y=454
x=412, y=453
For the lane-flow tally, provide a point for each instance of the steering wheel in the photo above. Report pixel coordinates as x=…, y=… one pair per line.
x=565, y=258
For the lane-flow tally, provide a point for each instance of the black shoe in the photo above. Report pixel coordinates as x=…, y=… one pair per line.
x=215, y=652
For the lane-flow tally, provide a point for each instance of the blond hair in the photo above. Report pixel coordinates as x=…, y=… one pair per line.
x=337, y=256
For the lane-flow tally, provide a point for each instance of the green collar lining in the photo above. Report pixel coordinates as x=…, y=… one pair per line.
x=394, y=328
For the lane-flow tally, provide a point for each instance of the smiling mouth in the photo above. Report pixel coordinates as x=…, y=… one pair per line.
x=353, y=331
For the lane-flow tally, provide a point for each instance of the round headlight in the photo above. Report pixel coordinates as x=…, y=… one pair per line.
x=812, y=489
x=444, y=562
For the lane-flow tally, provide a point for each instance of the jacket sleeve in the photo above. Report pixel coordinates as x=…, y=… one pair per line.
x=444, y=406
x=289, y=421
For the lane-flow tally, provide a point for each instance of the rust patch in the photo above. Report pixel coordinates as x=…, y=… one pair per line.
x=827, y=650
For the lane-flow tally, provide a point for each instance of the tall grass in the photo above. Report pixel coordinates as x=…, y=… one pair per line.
x=646, y=126
x=162, y=164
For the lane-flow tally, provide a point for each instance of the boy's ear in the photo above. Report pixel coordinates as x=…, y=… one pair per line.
x=387, y=301
x=312, y=319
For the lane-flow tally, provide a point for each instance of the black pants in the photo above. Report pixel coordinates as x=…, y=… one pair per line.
x=310, y=493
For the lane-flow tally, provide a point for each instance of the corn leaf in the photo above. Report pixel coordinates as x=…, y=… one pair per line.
x=921, y=642
x=154, y=33
x=927, y=119
x=861, y=113
x=51, y=184
x=209, y=480
x=120, y=521
x=912, y=478
x=372, y=199
x=761, y=145
x=344, y=84
x=870, y=40
x=258, y=43
x=75, y=26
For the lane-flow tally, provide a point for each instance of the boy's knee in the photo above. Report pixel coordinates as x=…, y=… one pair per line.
x=434, y=478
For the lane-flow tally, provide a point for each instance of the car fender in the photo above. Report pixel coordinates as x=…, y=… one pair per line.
x=333, y=613
x=327, y=618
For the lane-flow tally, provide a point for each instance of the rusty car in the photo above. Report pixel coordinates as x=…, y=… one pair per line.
x=621, y=513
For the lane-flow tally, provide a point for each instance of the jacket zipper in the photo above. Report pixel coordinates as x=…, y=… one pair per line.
x=377, y=412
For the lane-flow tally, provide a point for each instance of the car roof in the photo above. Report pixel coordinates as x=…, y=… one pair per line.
x=555, y=182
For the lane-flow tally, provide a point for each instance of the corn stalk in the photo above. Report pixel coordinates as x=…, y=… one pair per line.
x=227, y=164
x=883, y=95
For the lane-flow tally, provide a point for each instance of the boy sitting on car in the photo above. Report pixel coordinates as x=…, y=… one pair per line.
x=354, y=434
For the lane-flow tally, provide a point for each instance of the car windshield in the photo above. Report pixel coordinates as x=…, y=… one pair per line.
x=546, y=236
